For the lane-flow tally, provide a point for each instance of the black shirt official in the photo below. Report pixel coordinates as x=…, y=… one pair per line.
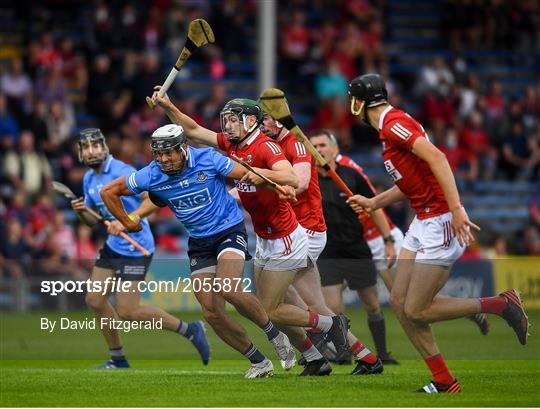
x=342, y=222
x=346, y=255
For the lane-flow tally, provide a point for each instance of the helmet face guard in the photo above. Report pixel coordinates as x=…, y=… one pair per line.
x=367, y=91
x=237, y=111
x=87, y=138
x=165, y=141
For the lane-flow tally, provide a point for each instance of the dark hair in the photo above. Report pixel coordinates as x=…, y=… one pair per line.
x=326, y=132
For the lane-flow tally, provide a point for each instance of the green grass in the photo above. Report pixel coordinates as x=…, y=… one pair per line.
x=41, y=369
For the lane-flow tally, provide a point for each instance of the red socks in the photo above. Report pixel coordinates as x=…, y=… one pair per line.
x=313, y=319
x=361, y=352
x=306, y=344
x=438, y=368
x=492, y=305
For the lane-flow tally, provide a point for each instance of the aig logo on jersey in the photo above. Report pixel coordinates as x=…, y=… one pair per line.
x=392, y=171
x=192, y=201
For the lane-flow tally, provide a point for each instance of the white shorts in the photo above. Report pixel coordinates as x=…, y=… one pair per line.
x=433, y=241
x=377, y=248
x=289, y=253
x=316, y=243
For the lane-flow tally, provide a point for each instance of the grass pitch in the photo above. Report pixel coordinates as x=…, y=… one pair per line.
x=56, y=369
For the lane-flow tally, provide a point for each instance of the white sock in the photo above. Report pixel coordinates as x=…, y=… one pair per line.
x=312, y=354
x=324, y=323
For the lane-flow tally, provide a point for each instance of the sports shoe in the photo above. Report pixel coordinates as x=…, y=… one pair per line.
x=199, y=340
x=365, y=368
x=480, y=319
x=338, y=333
x=319, y=367
x=388, y=359
x=283, y=348
x=263, y=369
x=111, y=364
x=435, y=387
x=515, y=316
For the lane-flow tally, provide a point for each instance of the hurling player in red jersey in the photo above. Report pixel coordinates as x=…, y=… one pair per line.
x=437, y=236
x=282, y=247
x=309, y=212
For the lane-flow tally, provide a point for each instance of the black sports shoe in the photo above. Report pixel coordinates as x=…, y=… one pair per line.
x=435, y=387
x=388, y=359
x=515, y=316
x=364, y=368
x=319, y=367
x=338, y=333
x=482, y=321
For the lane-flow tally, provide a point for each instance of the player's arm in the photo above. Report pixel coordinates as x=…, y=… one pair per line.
x=147, y=207
x=111, y=195
x=303, y=171
x=440, y=167
x=194, y=131
x=360, y=203
x=282, y=173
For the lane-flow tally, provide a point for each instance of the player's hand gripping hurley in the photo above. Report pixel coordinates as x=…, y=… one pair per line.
x=273, y=102
x=199, y=33
x=68, y=194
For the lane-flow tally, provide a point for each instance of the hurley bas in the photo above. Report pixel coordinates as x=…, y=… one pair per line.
x=91, y=323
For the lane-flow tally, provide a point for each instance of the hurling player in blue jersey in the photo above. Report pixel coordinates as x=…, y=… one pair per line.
x=119, y=258
x=191, y=182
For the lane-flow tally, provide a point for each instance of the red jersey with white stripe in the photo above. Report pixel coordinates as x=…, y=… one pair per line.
x=370, y=230
x=398, y=131
x=308, y=208
x=272, y=217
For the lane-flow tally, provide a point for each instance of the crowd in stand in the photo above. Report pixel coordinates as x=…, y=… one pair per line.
x=62, y=81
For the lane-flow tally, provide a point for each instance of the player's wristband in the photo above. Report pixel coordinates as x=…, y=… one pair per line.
x=389, y=239
x=132, y=217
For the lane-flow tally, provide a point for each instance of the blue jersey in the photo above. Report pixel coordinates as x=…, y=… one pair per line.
x=198, y=196
x=92, y=184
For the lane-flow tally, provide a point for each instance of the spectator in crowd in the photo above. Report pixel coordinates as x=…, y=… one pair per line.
x=16, y=85
x=531, y=241
x=50, y=86
x=520, y=154
x=37, y=123
x=210, y=107
x=474, y=143
x=9, y=127
x=28, y=170
x=59, y=125
x=295, y=42
x=14, y=251
x=436, y=78
x=331, y=83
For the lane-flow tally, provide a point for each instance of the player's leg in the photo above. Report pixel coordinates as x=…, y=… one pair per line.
x=334, y=298
x=230, y=331
x=231, y=253
x=128, y=306
x=103, y=310
x=312, y=359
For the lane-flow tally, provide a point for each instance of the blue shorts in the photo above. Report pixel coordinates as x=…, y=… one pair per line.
x=204, y=252
x=124, y=267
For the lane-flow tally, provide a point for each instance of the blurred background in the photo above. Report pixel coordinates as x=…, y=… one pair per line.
x=468, y=70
